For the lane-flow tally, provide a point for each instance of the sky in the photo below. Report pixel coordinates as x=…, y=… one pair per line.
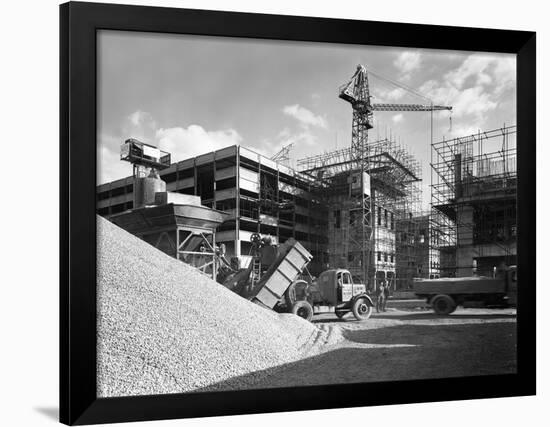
x=189, y=95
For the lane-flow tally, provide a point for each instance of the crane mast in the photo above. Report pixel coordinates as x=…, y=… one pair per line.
x=357, y=93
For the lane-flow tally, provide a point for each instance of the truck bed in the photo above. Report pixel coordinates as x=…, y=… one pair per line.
x=291, y=262
x=459, y=285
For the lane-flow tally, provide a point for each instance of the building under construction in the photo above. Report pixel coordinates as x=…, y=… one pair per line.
x=392, y=182
x=359, y=208
x=416, y=256
x=356, y=208
x=474, y=185
x=259, y=194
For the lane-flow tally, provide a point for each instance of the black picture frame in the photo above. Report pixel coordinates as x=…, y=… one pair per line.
x=79, y=23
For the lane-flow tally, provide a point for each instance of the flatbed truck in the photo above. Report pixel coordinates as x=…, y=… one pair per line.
x=444, y=295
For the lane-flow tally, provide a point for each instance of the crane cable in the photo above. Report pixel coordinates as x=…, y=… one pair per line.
x=400, y=85
x=411, y=90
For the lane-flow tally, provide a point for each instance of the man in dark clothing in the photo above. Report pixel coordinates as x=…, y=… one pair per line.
x=380, y=296
x=386, y=295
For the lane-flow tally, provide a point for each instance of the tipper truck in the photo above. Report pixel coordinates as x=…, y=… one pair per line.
x=445, y=294
x=271, y=272
x=335, y=291
x=273, y=279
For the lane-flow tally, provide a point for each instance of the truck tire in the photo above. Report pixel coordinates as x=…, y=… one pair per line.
x=361, y=308
x=443, y=304
x=302, y=309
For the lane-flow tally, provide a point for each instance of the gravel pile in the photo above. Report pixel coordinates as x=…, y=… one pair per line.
x=165, y=328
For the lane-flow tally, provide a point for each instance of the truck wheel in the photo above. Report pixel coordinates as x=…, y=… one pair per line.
x=303, y=309
x=361, y=309
x=443, y=304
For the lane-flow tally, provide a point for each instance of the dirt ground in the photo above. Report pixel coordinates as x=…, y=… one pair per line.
x=406, y=342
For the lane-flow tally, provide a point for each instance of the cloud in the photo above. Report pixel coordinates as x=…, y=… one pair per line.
x=305, y=137
x=186, y=142
x=395, y=94
x=109, y=165
x=407, y=62
x=474, y=101
x=475, y=67
x=304, y=116
x=484, y=70
x=301, y=141
x=139, y=117
x=271, y=146
x=505, y=73
x=182, y=142
x=464, y=130
x=484, y=79
x=384, y=95
x=140, y=125
x=474, y=87
x=397, y=118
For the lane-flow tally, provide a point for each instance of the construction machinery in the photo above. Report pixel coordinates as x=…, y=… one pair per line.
x=272, y=271
x=444, y=295
x=177, y=224
x=335, y=291
x=180, y=226
x=277, y=278
x=357, y=93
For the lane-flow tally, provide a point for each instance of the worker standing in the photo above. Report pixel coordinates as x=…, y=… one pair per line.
x=380, y=296
x=386, y=295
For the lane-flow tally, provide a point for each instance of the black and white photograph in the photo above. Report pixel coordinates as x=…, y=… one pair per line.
x=276, y=213
x=285, y=214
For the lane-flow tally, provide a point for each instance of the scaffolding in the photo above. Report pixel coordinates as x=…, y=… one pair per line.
x=473, y=186
x=282, y=206
x=392, y=180
x=283, y=155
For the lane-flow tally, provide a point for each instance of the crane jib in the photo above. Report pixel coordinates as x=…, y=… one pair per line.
x=409, y=107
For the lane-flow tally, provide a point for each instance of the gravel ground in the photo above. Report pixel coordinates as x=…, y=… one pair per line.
x=165, y=328
x=406, y=345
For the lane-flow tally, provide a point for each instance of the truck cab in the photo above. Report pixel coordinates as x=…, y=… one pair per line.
x=334, y=290
x=336, y=287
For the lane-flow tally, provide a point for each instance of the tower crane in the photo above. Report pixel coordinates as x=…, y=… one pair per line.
x=357, y=93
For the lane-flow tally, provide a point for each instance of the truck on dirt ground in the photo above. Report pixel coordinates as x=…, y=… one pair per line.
x=446, y=294
x=274, y=279
x=332, y=292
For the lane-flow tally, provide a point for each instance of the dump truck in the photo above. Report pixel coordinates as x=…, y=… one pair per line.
x=333, y=292
x=275, y=279
x=271, y=272
x=446, y=294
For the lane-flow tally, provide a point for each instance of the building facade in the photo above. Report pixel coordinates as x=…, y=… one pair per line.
x=418, y=255
x=344, y=232
x=260, y=196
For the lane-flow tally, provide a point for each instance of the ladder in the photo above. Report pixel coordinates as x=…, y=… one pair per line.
x=256, y=270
